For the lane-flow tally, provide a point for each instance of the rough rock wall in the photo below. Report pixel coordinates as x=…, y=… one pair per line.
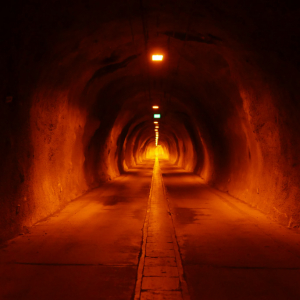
x=81, y=83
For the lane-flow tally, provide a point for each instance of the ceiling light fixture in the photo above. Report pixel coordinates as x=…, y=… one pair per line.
x=157, y=57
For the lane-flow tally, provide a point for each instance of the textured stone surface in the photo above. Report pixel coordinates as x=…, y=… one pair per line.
x=230, y=250
x=77, y=89
x=160, y=283
x=161, y=295
x=161, y=269
x=87, y=251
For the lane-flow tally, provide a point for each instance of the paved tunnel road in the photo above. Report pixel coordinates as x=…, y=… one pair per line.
x=90, y=249
x=229, y=250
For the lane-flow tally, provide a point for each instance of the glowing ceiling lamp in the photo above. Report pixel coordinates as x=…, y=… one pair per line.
x=155, y=107
x=157, y=57
x=156, y=116
x=155, y=122
x=156, y=126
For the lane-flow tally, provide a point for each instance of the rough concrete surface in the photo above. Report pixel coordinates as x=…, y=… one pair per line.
x=230, y=250
x=92, y=248
x=78, y=85
x=89, y=250
x=160, y=273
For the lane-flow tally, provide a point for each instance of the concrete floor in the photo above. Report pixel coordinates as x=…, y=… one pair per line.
x=90, y=250
x=229, y=250
x=87, y=251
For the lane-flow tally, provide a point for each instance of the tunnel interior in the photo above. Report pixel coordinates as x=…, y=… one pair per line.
x=79, y=86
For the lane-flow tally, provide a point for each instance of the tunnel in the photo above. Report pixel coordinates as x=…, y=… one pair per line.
x=105, y=149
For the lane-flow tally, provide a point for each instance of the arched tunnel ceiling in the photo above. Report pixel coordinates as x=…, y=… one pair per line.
x=82, y=84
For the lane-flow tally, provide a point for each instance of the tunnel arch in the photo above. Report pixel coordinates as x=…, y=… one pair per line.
x=82, y=87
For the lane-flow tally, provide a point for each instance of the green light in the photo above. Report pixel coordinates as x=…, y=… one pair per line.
x=156, y=116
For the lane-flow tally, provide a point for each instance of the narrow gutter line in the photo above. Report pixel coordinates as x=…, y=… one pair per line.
x=141, y=263
x=183, y=288
x=183, y=283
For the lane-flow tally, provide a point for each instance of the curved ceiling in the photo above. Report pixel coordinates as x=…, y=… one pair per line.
x=83, y=84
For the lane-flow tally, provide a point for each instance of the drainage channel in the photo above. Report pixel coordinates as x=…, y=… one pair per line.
x=160, y=271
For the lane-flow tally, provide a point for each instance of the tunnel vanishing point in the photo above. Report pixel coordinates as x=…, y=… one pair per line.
x=78, y=86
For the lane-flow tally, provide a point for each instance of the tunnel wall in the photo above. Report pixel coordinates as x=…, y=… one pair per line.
x=69, y=70
x=271, y=131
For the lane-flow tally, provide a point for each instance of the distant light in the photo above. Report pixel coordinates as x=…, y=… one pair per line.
x=156, y=126
x=155, y=122
x=156, y=116
x=155, y=107
x=157, y=57
x=155, y=129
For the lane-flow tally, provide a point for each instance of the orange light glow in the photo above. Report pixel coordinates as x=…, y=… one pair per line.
x=155, y=129
x=155, y=107
x=157, y=57
x=157, y=151
x=155, y=122
x=156, y=126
